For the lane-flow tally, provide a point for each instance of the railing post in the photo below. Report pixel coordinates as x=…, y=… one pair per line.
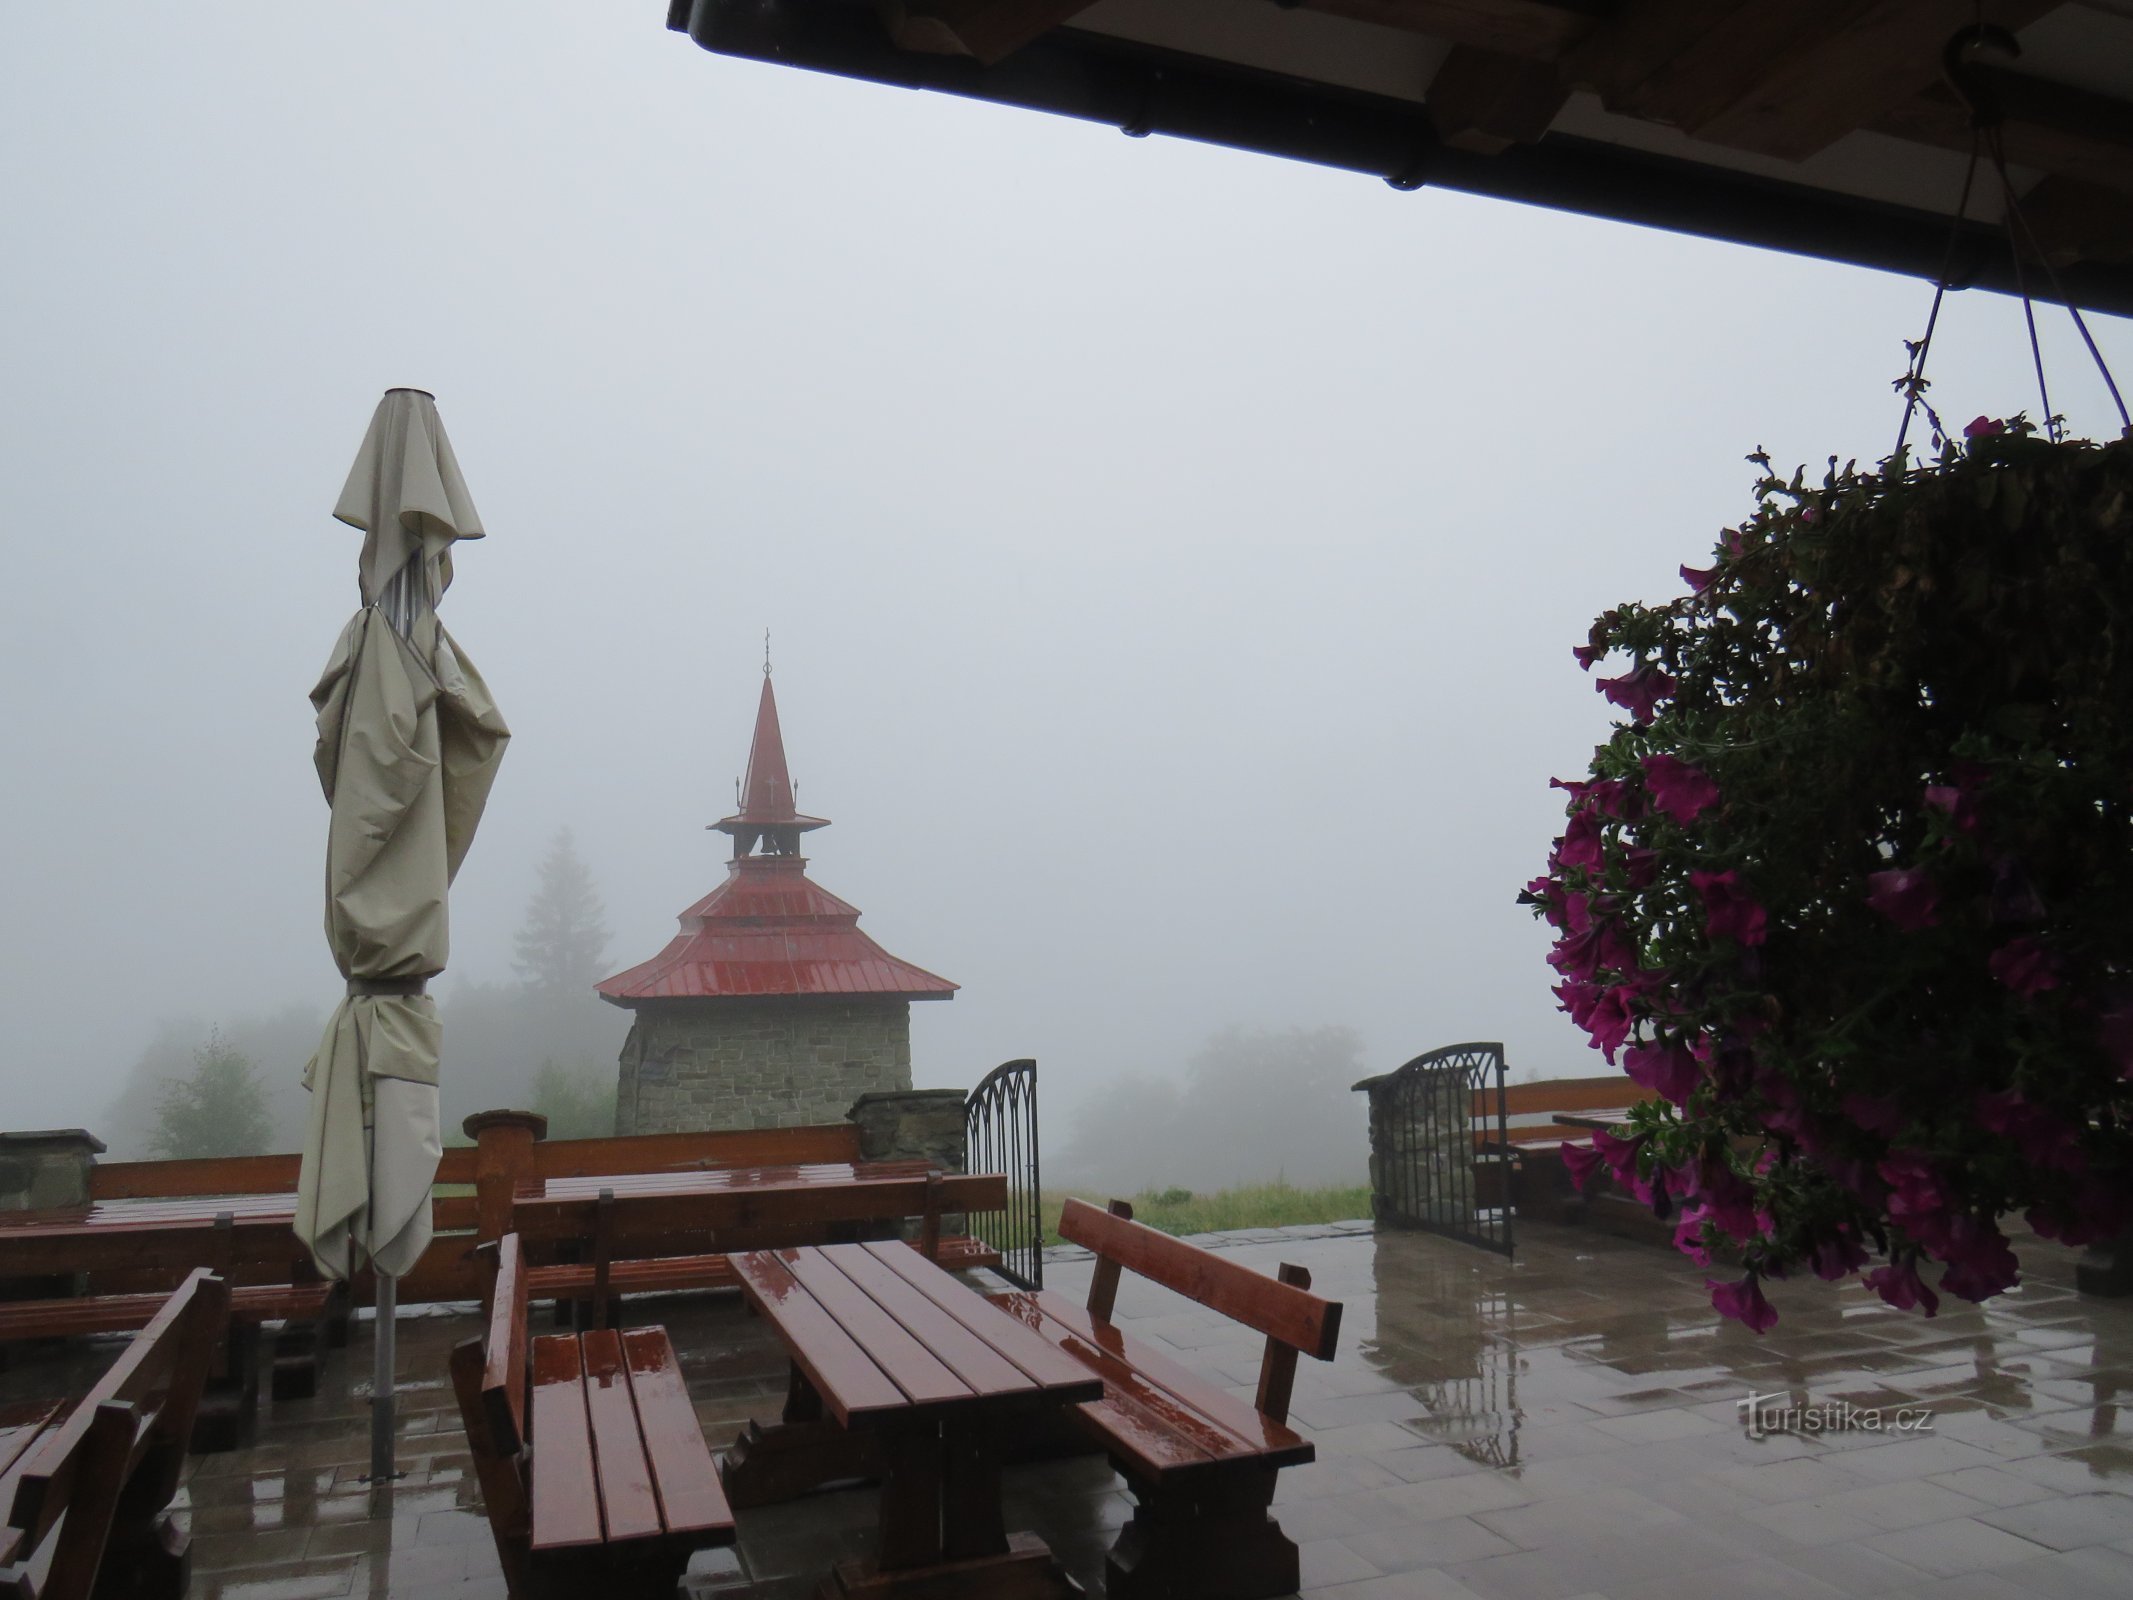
x=503, y=1159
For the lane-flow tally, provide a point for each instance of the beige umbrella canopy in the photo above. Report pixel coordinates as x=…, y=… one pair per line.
x=408, y=745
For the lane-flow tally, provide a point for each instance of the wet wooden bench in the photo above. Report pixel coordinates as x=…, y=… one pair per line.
x=594, y=1473
x=1201, y=1462
x=86, y=1489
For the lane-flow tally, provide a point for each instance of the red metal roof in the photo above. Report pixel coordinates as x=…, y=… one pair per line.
x=769, y=930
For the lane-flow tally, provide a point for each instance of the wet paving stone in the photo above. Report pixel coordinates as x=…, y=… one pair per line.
x=1562, y=1425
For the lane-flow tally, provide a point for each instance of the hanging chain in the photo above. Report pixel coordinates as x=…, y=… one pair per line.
x=1987, y=136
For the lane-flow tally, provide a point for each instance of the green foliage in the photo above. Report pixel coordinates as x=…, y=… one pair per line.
x=1172, y=1197
x=578, y=1100
x=219, y=1110
x=1849, y=888
x=561, y=943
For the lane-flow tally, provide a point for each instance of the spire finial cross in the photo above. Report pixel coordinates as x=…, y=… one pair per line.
x=766, y=652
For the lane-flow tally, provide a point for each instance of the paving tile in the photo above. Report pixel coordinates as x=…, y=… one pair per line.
x=2068, y=1522
x=1950, y=1549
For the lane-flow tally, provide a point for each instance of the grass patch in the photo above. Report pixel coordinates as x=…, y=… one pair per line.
x=1264, y=1205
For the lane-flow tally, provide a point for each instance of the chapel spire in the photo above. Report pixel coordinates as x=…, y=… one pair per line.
x=768, y=820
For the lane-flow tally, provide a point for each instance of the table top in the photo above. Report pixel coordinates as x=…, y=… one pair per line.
x=159, y=1213
x=883, y=1334
x=724, y=1180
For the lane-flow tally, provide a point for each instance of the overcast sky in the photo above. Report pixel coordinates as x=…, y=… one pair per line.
x=1172, y=555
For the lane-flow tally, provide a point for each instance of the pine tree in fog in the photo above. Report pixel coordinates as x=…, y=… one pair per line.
x=220, y=1110
x=562, y=942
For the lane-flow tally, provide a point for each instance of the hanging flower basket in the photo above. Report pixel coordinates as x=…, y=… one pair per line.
x=1850, y=889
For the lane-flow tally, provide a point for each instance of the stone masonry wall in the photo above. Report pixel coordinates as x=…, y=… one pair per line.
x=691, y=1066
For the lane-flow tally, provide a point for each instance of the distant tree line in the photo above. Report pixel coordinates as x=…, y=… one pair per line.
x=544, y=1043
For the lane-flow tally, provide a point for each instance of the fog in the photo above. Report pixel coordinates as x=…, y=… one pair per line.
x=1171, y=556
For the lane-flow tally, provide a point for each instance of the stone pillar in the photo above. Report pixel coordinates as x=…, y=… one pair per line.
x=503, y=1158
x=47, y=1169
x=913, y=1125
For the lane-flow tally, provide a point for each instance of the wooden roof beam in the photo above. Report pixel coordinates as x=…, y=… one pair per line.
x=990, y=30
x=1486, y=102
x=2073, y=133
x=1781, y=80
x=1539, y=30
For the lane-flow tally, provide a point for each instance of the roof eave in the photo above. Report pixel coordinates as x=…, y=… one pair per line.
x=1142, y=90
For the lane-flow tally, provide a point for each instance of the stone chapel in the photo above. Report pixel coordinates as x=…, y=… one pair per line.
x=769, y=1008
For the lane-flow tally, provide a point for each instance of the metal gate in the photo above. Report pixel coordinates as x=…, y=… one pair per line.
x=1440, y=1156
x=1000, y=1119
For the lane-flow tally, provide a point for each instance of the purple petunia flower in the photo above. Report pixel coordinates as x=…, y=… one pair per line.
x=2024, y=966
x=1665, y=1069
x=1698, y=578
x=1683, y=792
x=2044, y=1139
x=1609, y=1021
x=1728, y=913
x=1980, y=1262
x=1638, y=692
x=1837, y=1255
x=1907, y=896
x=1581, y=1161
x=1743, y=1302
x=1584, y=955
x=1580, y=843
x=1688, y=1236
x=1983, y=427
x=1916, y=1193
x=1587, y=654
x=1900, y=1285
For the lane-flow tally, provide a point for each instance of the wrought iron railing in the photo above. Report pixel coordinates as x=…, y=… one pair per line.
x=1000, y=1117
x=1440, y=1157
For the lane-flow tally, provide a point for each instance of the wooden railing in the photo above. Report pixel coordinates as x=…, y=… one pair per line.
x=509, y=1157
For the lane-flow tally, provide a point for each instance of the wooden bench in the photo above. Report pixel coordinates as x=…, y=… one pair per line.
x=87, y=1490
x=1201, y=1462
x=594, y=1472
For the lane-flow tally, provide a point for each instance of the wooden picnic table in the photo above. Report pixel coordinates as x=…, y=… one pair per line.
x=902, y=1372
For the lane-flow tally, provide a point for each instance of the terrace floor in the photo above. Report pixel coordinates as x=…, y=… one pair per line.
x=1566, y=1424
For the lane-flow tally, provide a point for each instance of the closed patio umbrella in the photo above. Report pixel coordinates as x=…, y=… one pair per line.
x=408, y=745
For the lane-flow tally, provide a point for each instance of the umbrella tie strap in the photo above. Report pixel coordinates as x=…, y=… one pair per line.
x=361, y=987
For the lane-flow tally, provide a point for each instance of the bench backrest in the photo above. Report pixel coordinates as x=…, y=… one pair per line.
x=125, y=1440
x=489, y=1380
x=676, y=1224
x=1294, y=1320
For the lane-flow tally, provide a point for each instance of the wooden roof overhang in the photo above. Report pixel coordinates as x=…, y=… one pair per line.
x=1823, y=127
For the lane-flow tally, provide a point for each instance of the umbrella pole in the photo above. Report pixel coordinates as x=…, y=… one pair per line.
x=381, y=1383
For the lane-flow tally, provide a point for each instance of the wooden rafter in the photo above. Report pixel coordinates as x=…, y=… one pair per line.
x=1781, y=80
x=1539, y=30
x=1486, y=102
x=2081, y=136
x=990, y=30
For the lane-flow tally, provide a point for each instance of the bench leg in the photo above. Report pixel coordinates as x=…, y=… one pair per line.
x=229, y=1406
x=1218, y=1541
